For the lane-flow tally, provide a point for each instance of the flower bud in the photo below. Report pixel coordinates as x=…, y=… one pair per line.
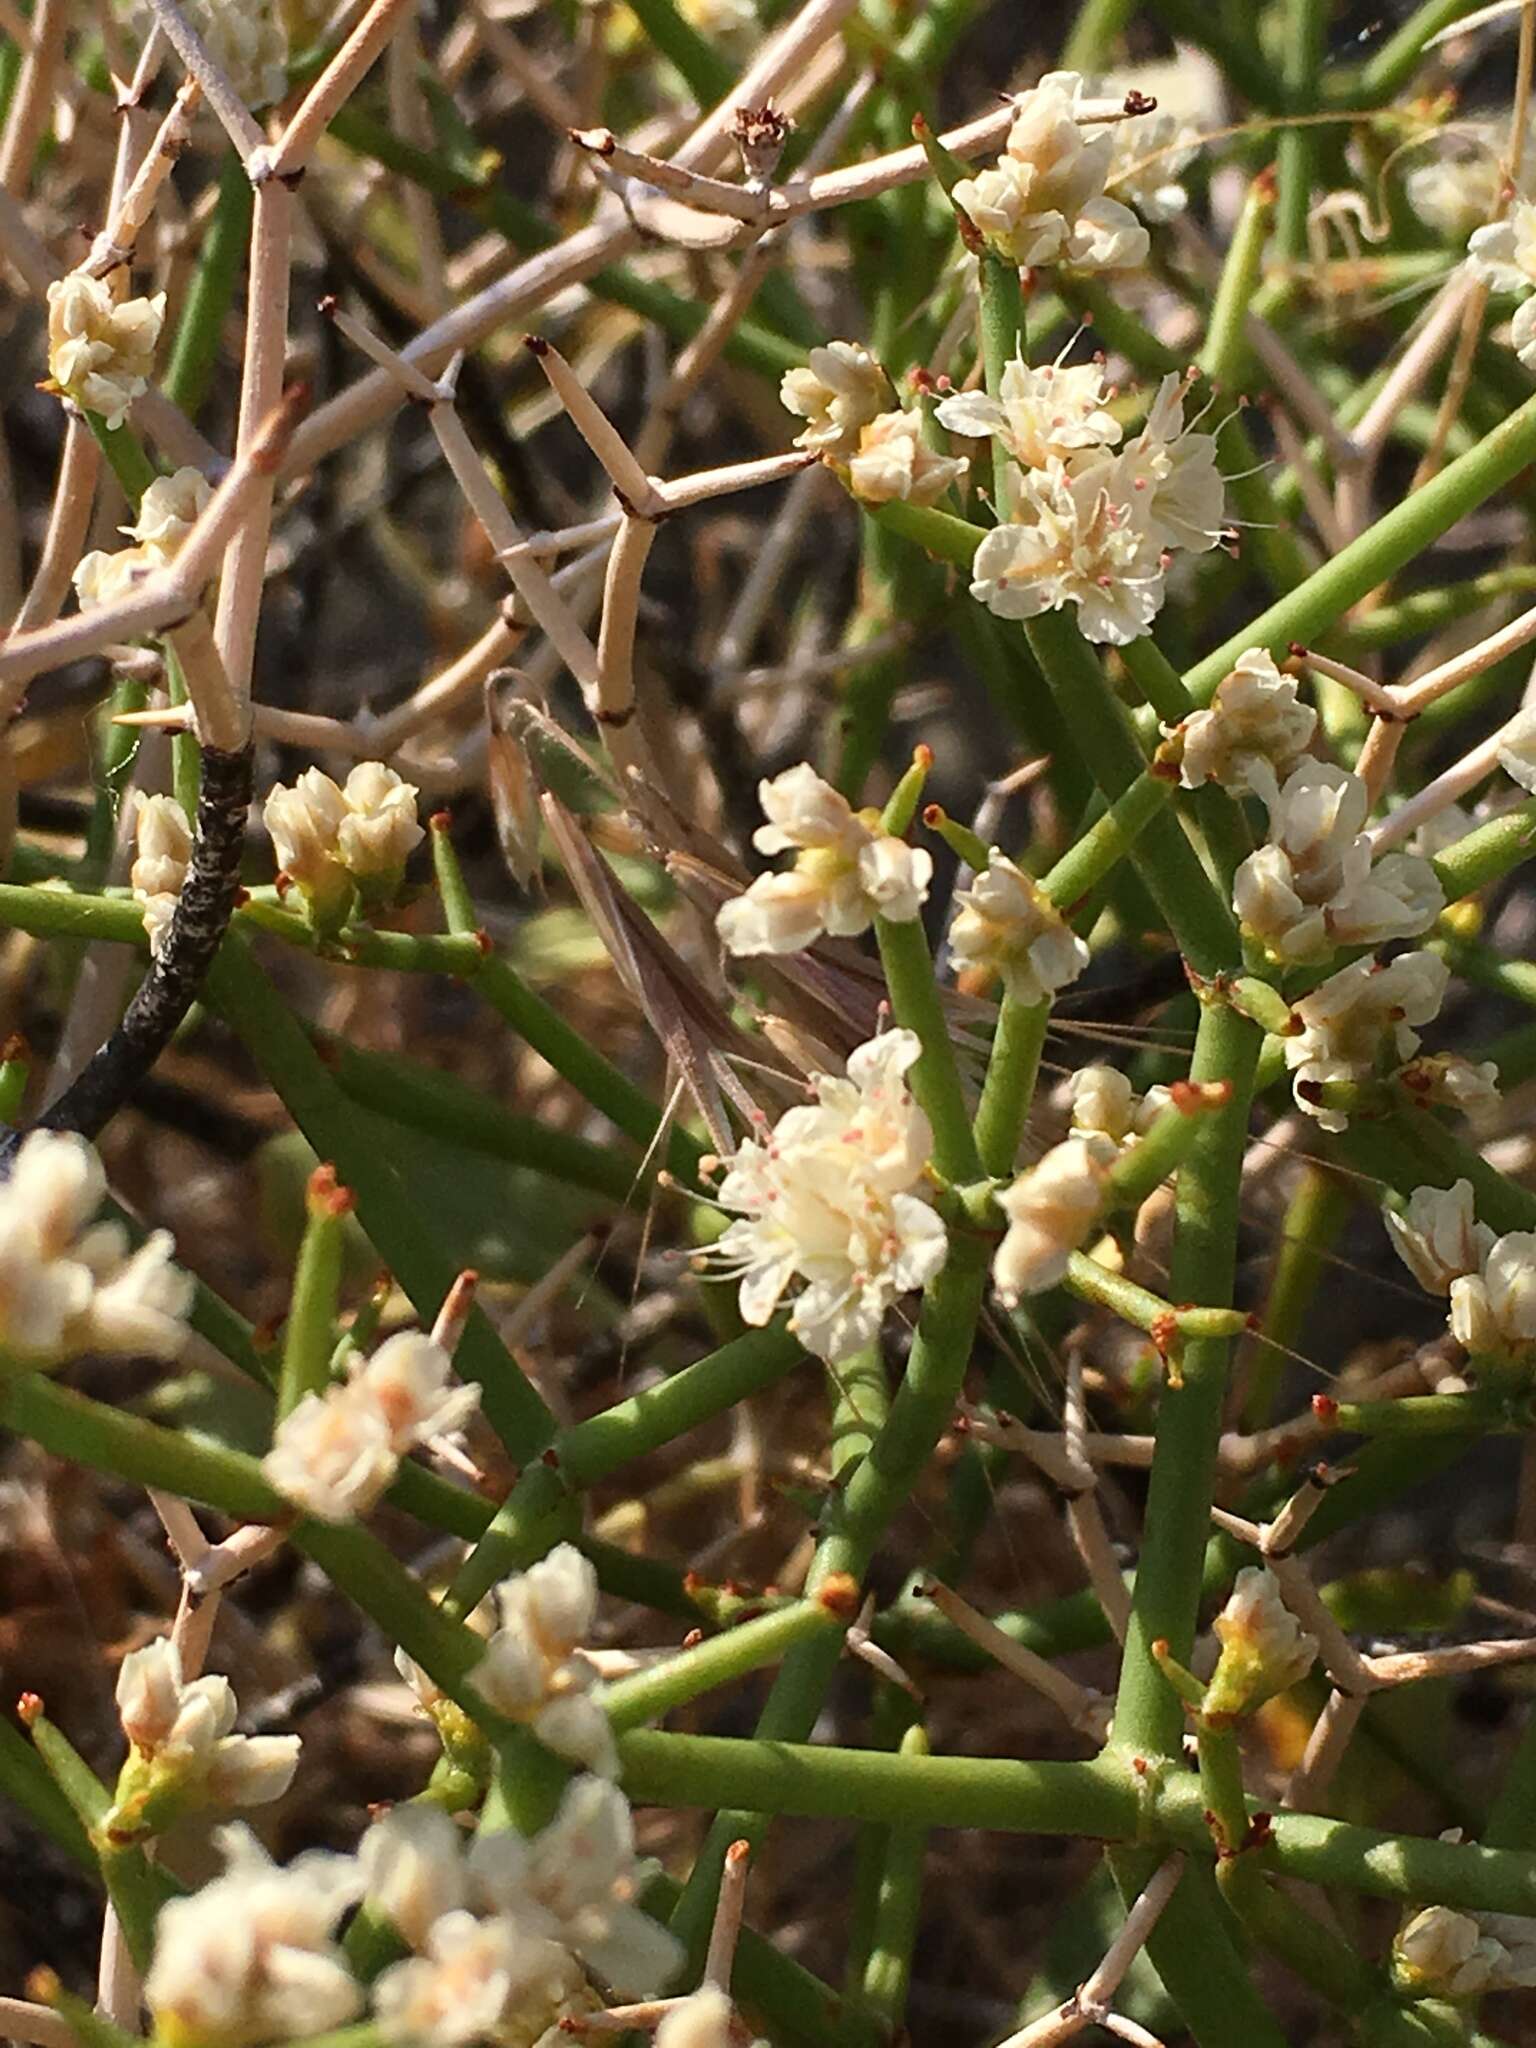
x=101, y=352
x=1051, y=1207
x=1264, y=1649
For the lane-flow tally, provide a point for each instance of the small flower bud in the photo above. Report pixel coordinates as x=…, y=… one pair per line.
x=1264, y=1649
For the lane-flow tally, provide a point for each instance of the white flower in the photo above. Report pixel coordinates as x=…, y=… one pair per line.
x=1255, y=721
x=846, y=874
x=532, y=1669
x=101, y=353
x=827, y=1200
x=378, y=830
x=1075, y=539
x=1044, y=200
x=336, y=1452
x=576, y=1883
x=407, y=1380
x=1503, y=255
x=1517, y=748
x=1314, y=888
x=1172, y=470
x=141, y=1303
x=104, y=575
x=1355, y=1017
x=1264, y=1649
x=333, y=1455
x=472, y=1978
x=413, y=1869
x=1007, y=926
x=164, y=841
x=69, y=1286
x=1495, y=1311
x=1038, y=414
x=169, y=510
x=894, y=461
x=1438, y=1237
x=840, y=392
x=249, y=1958
x=1051, y=1207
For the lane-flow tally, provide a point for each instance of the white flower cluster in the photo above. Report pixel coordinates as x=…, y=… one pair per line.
x=1470, y=1087
x=250, y=1958
x=830, y=1198
x=847, y=871
x=1503, y=255
x=1007, y=929
x=1314, y=886
x=1358, y=1017
x=1493, y=1307
x=1439, y=1953
x=184, y=1750
x=1251, y=736
x=166, y=514
x=502, y=1934
x=68, y=1285
x=163, y=837
x=841, y=395
x=533, y=1669
x=1149, y=156
x=1051, y=1208
x=1043, y=201
x=101, y=352
x=337, y=842
x=1264, y=1649
x=1092, y=524
x=336, y=1452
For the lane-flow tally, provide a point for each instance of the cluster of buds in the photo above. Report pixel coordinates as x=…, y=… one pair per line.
x=1250, y=737
x=167, y=511
x=1105, y=1105
x=882, y=454
x=1314, y=887
x=70, y=1285
x=163, y=837
x=183, y=1752
x=533, y=1669
x=1007, y=929
x=1044, y=201
x=101, y=350
x=336, y=1452
x=344, y=847
x=830, y=1198
x=847, y=871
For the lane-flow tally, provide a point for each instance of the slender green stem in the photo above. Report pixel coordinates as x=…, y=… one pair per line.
x=1009, y=1087
x=935, y=1078
x=310, y=1337
x=1148, y=1718
x=887, y=1971
x=631, y=1702
x=1487, y=853
x=210, y=290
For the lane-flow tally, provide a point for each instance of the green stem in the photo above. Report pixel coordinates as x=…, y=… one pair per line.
x=210, y=290
x=1009, y=1087
x=898, y=1901
x=1148, y=1717
x=1488, y=853
x=935, y=1078
x=1107, y=840
x=310, y=1337
x=631, y=1702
